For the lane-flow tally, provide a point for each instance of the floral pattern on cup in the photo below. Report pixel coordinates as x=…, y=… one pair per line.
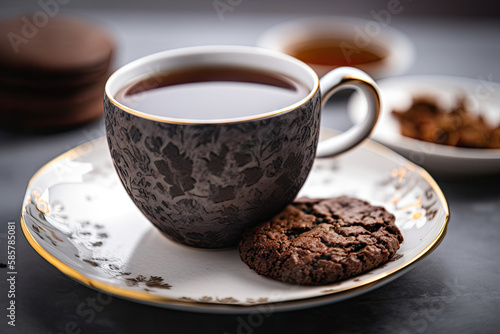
x=202, y=185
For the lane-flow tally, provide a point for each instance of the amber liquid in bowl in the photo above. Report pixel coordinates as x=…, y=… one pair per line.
x=335, y=53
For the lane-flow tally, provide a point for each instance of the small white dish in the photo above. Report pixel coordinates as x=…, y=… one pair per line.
x=397, y=93
x=78, y=217
x=398, y=49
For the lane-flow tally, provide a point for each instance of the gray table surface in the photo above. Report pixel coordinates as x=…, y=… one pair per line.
x=456, y=289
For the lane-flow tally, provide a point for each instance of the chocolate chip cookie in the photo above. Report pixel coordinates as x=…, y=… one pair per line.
x=321, y=241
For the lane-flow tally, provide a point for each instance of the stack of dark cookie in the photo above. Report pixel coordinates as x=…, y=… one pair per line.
x=52, y=75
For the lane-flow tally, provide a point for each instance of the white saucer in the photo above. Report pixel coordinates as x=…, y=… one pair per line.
x=78, y=217
x=397, y=93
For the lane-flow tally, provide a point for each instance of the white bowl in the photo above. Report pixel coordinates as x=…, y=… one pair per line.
x=397, y=48
x=397, y=93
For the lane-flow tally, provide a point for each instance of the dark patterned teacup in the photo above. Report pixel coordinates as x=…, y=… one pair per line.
x=202, y=182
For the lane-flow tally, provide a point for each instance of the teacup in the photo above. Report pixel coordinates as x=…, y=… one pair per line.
x=262, y=160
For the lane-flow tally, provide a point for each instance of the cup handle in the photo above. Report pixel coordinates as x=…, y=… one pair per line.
x=348, y=77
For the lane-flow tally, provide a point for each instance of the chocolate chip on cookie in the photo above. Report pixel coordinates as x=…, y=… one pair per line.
x=321, y=241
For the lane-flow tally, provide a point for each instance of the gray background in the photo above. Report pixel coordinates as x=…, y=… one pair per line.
x=450, y=8
x=454, y=290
